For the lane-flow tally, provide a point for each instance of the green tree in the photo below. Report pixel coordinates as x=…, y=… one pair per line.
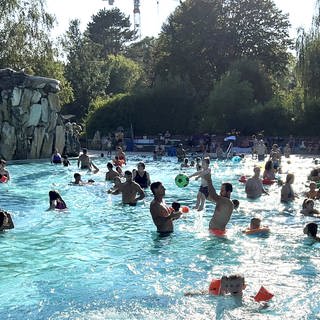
x=124, y=74
x=24, y=33
x=143, y=53
x=202, y=38
x=88, y=75
x=110, y=29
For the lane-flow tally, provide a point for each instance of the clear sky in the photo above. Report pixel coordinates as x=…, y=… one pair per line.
x=155, y=12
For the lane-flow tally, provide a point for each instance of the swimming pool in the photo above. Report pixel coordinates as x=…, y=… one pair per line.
x=103, y=260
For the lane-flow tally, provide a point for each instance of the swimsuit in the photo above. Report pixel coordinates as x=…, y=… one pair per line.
x=204, y=191
x=217, y=232
x=141, y=181
x=56, y=158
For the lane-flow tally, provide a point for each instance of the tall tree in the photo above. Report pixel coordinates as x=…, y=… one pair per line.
x=202, y=38
x=24, y=33
x=110, y=29
x=88, y=74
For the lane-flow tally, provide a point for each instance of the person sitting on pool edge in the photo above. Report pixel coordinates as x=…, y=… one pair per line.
x=224, y=206
x=160, y=212
x=129, y=190
x=5, y=221
x=311, y=230
x=308, y=208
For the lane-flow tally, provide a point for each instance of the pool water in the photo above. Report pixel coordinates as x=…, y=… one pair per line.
x=102, y=260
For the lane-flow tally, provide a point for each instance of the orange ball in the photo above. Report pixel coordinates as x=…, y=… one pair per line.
x=185, y=209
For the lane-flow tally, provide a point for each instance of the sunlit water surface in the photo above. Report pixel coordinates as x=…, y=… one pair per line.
x=103, y=260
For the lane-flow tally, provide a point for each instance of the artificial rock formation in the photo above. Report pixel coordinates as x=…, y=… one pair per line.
x=31, y=126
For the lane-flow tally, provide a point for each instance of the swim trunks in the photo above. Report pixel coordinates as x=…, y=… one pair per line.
x=217, y=232
x=204, y=191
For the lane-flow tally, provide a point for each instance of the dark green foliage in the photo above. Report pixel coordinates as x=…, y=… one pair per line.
x=110, y=29
x=203, y=38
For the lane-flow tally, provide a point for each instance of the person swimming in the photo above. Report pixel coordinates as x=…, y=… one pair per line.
x=311, y=229
x=56, y=201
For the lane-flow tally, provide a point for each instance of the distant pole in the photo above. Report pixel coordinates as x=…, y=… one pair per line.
x=136, y=17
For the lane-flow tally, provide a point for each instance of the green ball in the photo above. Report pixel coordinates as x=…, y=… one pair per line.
x=181, y=180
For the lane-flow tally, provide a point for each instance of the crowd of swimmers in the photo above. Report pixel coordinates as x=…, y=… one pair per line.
x=132, y=185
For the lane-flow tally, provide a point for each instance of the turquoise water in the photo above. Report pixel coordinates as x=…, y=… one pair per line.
x=103, y=260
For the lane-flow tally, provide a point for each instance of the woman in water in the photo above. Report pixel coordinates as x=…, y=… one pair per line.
x=287, y=193
x=56, y=201
x=268, y=173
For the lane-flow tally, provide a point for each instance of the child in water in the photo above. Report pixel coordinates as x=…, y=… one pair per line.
x=308, y=208
x=311, y=230
x=255, y=227
x=56, y=201
x=233, y=285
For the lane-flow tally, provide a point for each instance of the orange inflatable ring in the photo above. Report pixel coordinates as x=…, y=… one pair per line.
x=261, y=230
x=268, y=181
x=215, y=287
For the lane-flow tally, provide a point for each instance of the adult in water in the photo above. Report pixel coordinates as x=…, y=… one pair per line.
x=56, y=157
x=85, y=162
x=224, y=206
x=254, y=187
x=161, y=214
x=141, y=176
x=111, y=174
x=129, y=190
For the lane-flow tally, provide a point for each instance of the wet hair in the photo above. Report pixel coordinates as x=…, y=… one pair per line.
x=236, y=203
x=269, y=165
x=141, y=164
x=235, y=277
x=312, y=229
x=307, y=202
x=154, y=185
x=128, y=173
x=102, y=154
x=228, y=186
x=76, y=175
x=54, y=195
x=2, y=216
x=255, y=222
x=84, y=150
x=186, y=160
x=176, y=205
x=109, y=165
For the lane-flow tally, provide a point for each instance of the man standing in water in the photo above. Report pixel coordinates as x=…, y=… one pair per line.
x=161, y=215
x=129, y=190
x=224, y=206
x=85, y=162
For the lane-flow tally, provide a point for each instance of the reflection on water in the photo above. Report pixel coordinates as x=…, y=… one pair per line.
x=103, y=260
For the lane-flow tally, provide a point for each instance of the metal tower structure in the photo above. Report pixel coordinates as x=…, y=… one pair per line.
x=136, y=15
